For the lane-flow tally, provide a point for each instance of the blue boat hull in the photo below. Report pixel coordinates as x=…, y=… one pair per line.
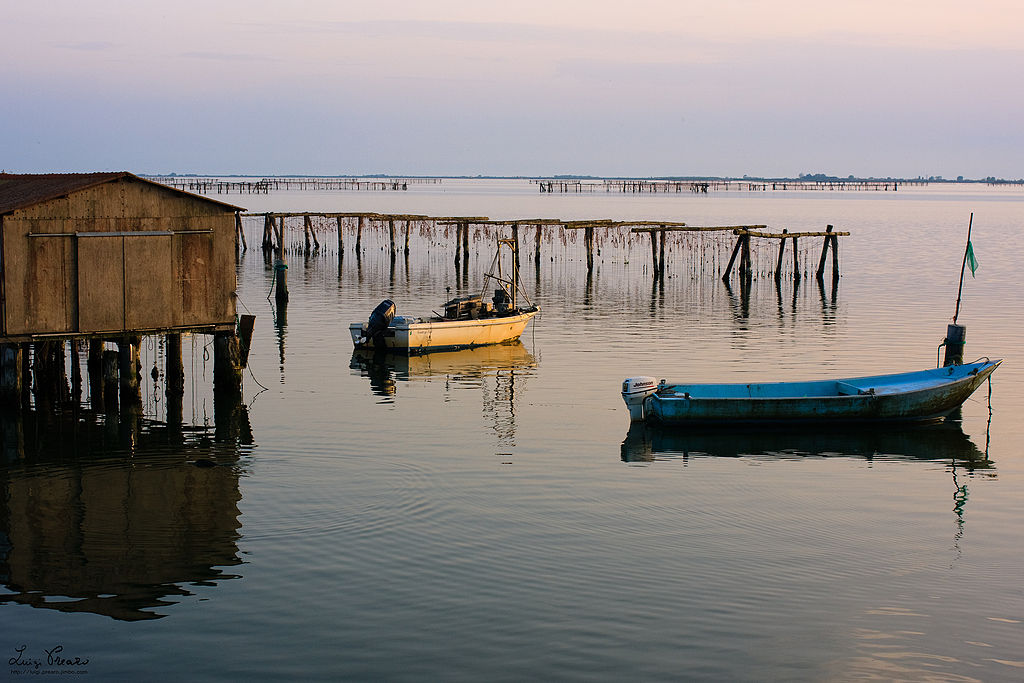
x=907, y=397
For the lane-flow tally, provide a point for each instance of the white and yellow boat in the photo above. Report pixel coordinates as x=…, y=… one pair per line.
x=468, y=321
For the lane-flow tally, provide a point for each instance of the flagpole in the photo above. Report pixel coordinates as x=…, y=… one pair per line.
x=963, y=266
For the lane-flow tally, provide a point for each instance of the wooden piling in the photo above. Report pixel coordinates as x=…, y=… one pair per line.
x=661, y=254
x=796, y=260
x=174, y=372
x=391, y=234
x=588, y=242
x=341, y=237
x=654, y=253
x=268, y=232
x=227, y=367
x=536, y=246
x=76, y=374
x=110, y=381
x=359, y=234
x=465, y=244
x=94, y=367
x=128, y=365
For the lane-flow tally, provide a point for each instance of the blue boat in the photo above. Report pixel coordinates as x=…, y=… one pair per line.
x=922, y=396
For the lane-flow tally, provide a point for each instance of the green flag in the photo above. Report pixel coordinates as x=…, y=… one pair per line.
x=972, y=262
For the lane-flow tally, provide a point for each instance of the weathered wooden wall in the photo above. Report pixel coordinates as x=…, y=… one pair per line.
x=122, y=256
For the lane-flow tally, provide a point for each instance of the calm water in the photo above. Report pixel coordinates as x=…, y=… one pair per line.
x=489, y=514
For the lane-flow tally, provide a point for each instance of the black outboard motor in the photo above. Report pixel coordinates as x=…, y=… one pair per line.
x=379, y=321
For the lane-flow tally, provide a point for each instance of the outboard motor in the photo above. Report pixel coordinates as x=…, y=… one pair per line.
x=634, y=391
x=379, y=321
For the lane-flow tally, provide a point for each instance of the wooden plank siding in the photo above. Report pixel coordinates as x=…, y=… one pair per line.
x=125, y=255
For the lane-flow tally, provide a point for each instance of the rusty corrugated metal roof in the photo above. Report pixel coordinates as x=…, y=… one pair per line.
x=20, y=190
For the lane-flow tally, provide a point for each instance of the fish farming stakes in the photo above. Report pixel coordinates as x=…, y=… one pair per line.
x=704, y=186
x=266, y=185
x=705, y=247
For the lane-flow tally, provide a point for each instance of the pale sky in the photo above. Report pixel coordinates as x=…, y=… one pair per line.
x=459, y=87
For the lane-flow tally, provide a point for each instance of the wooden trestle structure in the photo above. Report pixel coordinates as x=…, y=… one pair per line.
x=398, y=230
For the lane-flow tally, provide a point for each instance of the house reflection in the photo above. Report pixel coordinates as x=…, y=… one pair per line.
x=88, y=525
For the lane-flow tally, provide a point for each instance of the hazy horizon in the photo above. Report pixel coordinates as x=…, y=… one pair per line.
x=452, y=88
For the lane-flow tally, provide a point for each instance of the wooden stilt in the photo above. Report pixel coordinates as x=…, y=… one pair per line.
x=76, y=373
x=175, y=379
x=588, y=242
x=94, y=366
x=10, y=375
x=110, y=381
x=536, y=247
x=128, y=366
x=515, y=242
x=341, y=237
x=307, y=229
x=465, y=245
x=391, y=234
x=408, y=228
x=227, y=367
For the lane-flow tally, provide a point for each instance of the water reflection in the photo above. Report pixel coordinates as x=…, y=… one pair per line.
x=498, y=371
x=944, y=442
x=92, y=523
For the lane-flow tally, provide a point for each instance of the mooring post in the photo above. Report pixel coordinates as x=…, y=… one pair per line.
x=391, y=233
x=465, y=246
x=175, y=379
x=515, y=243
x=10, y=375
x=307, y=229
x=281, y=280
x=359, y=233
x=408, y=228
x=824, y=252
x=536, y=247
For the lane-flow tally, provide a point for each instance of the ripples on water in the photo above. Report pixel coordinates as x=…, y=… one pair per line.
x=490, y=514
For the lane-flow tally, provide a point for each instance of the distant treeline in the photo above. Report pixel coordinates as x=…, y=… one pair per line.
x=805, y=177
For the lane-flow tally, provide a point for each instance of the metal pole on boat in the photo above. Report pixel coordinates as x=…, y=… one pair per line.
x=956, y=335
x=963, y=267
